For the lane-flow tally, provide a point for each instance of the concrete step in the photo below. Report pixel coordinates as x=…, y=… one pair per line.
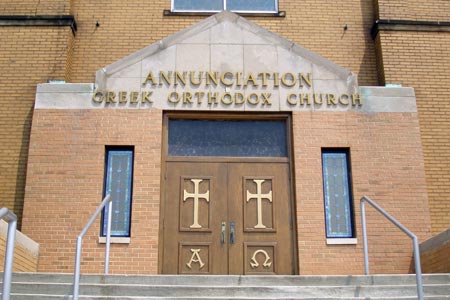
x=249, y=280
x=59, y=286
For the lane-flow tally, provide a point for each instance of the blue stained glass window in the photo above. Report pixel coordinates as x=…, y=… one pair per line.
x=232, y=5
x=118, y=184
x=337, y=193
x=230, y=138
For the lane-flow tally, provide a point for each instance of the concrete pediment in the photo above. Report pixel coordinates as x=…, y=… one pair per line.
x=228, y=43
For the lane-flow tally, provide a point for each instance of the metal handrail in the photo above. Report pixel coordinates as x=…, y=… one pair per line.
x=11, y=218
x=76, y=275
x=402, y=228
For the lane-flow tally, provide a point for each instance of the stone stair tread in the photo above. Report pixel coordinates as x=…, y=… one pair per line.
x=40, y=286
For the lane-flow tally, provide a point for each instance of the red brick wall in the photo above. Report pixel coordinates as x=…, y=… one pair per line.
x=65, y=182
x=386, y=165
x=65, y=185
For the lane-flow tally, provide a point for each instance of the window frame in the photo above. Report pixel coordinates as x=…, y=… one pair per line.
x=351, y=217
x=108, y=150
x=224, y=7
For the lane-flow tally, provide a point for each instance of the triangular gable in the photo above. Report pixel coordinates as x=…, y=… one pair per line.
x=230, y=44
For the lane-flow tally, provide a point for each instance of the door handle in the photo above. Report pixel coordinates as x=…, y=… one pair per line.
x=232, y=232
x=223, y=232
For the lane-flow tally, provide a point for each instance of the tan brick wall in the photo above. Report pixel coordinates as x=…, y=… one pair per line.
x=36, y=54
x=69, y=168
x=432, y=10
x=386, y=166
x=28, y=56
x=26, y=251
x=35, y=7
x=317, y=25
x=421, y=60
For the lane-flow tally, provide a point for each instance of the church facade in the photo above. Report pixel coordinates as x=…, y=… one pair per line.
x=235, y=139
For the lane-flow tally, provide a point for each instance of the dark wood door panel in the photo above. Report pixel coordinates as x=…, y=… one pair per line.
x=227, y=218
x=195, y=199
x=261, y=211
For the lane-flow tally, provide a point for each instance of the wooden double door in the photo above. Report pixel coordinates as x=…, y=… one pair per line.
x=227, y=218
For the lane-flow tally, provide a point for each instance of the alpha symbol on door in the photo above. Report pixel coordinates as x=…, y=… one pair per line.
x=196, y=196
x=196, y=259
x=259, y=197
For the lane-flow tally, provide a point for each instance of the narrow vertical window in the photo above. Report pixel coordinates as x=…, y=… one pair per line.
x=337, y=193
x=118, y=184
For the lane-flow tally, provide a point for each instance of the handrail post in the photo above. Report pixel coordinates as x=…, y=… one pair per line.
x=9, y=253
x=108, y=238
x=365, y=246
x=402, y=228
x=418, y=268
x=77, y=272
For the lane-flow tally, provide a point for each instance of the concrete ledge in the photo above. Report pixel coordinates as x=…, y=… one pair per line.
x=21, y=239
x=30, y=20
x=115, y=240
x=65, y=88
x=386, y=99
x=435, y=242
x=343, y=241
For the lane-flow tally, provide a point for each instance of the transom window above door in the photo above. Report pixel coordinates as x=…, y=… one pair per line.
x=256, y=6
x=227, y=138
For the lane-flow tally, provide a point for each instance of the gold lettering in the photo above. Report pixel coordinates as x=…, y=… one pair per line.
x=306, y=79
x=180, y=78
x=238, y=98
x=199, y=96
x=150, y=78
x=212, y=76
x=211, y=97
x=122, y=97
x=357, y=98
x=110, y=97
x=187, y=97
x=98, y=97
x=253, y=99
x=289, y=99
x=239, y=79
x=342, y=97
x=266, y=100
x=251, y=78
x=224, y=80
x=145, y=97
x=286, y=82
x=166, y=78
x=174, y=97
x=331, y=99
x=196, y=259
x=192, y=78
x=134, y=97
x=230, y=99
x=264, y=76
x=276, y=79
x=318, y=98
x=304, y=97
